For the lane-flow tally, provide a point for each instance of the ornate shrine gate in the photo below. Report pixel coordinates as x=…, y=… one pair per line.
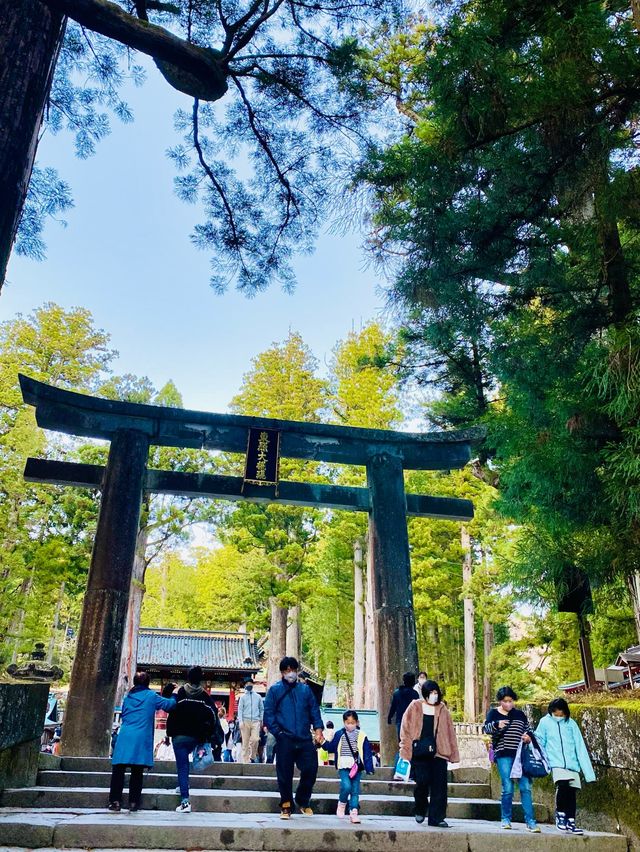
x=132, y=428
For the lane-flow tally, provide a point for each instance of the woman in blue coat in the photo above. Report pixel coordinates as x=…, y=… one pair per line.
x=134, y=746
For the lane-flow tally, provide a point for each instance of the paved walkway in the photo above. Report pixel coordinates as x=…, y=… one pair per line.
x=153, y=830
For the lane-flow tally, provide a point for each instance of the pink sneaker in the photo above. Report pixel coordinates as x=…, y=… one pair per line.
x=340, y=809
x=353, y=816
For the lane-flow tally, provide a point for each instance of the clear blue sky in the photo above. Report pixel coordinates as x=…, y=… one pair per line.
x=126, y=256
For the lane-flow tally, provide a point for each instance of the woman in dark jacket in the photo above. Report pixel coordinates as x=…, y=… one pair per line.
x=192, y=722
x=134, y=744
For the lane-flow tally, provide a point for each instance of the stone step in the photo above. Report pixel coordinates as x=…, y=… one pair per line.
x=207, y=781
x=245, y=802
x=253, y=832
x=470, y=774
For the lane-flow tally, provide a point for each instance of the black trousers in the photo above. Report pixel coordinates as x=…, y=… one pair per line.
x=431, y=783
x=305, y=757
x=566, y=799
x=117, y=783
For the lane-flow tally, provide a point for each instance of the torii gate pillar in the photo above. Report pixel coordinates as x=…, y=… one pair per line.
x=394, y=626
x=94, y=678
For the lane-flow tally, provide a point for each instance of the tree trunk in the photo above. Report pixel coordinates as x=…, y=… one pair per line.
x=30, y=39
x=293, y=633
x=614, y=273
x=277, y=641
x=17, y=622
x=486, y=675
x=358, y=626
x=635, y=10
x=129, y=656
x=470, y=691
x=56, y=621
x=370, y=676
x=633, y=584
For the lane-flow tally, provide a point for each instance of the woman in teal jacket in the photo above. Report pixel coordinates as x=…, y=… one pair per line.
x=562, y=740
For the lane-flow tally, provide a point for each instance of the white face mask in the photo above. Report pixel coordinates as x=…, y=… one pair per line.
x=433, y=698
x=291, y=677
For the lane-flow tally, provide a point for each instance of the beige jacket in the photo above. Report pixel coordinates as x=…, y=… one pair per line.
x=411, y=728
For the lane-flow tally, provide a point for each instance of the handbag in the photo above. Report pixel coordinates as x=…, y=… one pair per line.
x=202, y=757
x=425, y=748
x=358, y=765
x=533, y=765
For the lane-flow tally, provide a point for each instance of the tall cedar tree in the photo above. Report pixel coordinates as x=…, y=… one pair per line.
x=509, y=211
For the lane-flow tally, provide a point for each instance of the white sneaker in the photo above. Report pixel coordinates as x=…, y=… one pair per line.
x=184, y=808
x=177, y=790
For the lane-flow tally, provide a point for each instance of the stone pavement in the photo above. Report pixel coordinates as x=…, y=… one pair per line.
x=155, y=830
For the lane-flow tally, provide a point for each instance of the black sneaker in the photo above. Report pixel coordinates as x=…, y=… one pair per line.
x=133, y=807
x=419, y=819
x=114, y=807
x=442, y=824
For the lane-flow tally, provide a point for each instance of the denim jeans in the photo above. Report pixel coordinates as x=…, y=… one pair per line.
x=505, y=764
x=349, y=789
x=182, y=748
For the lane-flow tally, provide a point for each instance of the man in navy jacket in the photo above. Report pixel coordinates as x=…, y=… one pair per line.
x=290, y=711
x=401, y=699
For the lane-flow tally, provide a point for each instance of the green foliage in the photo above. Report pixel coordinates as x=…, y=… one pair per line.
x=45, y=533
x=216, y=588
x=509, y=201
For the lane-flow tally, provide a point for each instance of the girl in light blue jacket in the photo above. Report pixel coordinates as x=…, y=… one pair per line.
x=562, y=740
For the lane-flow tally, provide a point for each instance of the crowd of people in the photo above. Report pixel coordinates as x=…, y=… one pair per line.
x=286, y=728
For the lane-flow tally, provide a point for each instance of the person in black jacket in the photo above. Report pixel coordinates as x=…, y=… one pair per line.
x=401, y=699
x=192, y=722
x=290, y=711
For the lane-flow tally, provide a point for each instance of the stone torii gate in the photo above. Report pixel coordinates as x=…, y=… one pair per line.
x=132, y=428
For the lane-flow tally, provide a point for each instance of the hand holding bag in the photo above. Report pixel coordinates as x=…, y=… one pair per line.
x=534, y=764
x=402, y=770
x=202, y=757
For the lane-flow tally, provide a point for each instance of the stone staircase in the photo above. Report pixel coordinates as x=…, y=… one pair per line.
x=235, y=807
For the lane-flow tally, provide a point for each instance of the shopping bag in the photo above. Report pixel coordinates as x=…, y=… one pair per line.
x=202, y=757
x=402, y=770
x=534, y=764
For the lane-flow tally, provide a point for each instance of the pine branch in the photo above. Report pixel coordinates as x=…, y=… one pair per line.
x=110, y=20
